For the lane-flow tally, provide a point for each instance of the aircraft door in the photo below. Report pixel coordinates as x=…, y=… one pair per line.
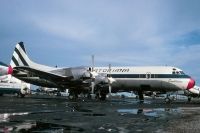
x=148, y=75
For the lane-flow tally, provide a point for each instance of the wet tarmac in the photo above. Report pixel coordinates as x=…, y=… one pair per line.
x=37, y=114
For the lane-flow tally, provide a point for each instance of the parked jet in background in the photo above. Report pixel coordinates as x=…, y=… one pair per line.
x=11, y=85
x=149, y=78
x=193, y=92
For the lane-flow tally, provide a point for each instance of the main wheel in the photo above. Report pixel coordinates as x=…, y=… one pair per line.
x=167, y=100
x=189, y=99
x=102, y=96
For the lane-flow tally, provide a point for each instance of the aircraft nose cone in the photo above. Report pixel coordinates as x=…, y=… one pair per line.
x=191, y=83
x=10, y=70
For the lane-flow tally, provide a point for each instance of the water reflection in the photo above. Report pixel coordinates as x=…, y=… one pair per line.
x=35, y=126
x=6, y=116
x=156, y=112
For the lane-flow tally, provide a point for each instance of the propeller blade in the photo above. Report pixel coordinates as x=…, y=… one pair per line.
x=92, y=84
x=92, y=63
x=110, y=89
x=111, y=80
x=93, y=75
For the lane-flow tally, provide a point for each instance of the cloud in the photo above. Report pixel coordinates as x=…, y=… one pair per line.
x=128, y=32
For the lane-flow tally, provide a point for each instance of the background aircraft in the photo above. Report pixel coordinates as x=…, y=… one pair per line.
x=193, y=92
x=12, y=85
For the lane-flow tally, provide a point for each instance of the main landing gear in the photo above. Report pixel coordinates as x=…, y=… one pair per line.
x=141, y=96
x=100, y=95
x=189, y=98
x=73, y=95
x=170, y=100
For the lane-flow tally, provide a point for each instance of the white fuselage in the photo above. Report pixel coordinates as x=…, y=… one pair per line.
x=158, y=78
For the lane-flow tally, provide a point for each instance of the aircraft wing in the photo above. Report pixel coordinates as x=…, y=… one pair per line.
x=23, y=71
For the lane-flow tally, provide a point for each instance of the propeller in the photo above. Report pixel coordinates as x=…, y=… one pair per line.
x=110, y=80
x=93, y=75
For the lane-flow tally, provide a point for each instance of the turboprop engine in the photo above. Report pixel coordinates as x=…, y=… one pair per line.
x=25, y=89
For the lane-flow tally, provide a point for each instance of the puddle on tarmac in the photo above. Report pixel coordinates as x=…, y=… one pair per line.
x=5, y=117
x=156, y=112
x=8, y=125
x=94, y=114
x=31, y=126
x=77, y=108
x=129, y=101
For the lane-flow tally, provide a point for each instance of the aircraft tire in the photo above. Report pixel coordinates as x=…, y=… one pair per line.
x=73, y=96
x=21, y=95
x=189, y=99
x=89, y=96
x=102, y=97
x=167, y=100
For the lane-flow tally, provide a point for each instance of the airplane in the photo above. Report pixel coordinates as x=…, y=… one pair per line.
x=78, y=79
x=148, y=78
x=99, y=80
x=11, y=85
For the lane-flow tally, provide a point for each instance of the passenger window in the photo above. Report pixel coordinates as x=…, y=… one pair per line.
x=142, y=76
x=152, y=75
x=173, y=72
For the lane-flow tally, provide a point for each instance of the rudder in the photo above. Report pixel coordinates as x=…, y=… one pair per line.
x=19, y=57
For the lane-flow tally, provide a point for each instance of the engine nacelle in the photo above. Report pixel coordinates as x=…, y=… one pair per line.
x=25, y=89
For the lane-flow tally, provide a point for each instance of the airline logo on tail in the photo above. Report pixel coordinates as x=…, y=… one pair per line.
x=19, y=57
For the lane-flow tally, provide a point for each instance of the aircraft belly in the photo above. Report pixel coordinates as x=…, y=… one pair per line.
x=150, y=84
x=137, y=83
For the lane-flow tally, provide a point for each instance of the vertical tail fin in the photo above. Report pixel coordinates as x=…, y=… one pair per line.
x=19, y=57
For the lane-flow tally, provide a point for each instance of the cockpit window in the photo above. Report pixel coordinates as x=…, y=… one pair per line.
x=178, y=72
x=181, y=72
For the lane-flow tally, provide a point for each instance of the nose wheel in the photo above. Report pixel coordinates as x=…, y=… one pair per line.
x=141, y=96
x=189, y=98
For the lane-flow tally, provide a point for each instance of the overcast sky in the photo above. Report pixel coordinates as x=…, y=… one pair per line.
x=120, y=32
